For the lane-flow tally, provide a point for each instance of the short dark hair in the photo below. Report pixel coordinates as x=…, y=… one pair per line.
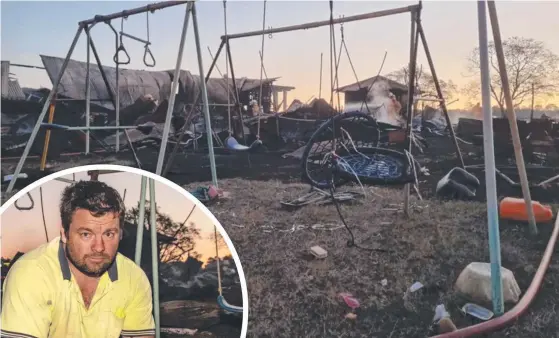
x=97, y=197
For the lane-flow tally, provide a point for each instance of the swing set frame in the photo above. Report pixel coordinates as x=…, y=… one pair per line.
x=86, y=26
x=416, y=34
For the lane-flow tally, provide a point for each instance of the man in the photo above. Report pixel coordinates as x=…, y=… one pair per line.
x=78, y=285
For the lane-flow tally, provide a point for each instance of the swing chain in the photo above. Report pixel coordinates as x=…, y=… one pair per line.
x=270, y=35
x=147, y=51
x=119, y=43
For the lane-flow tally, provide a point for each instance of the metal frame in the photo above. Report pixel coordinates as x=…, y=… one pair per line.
x=417, y=33
x=86, y=26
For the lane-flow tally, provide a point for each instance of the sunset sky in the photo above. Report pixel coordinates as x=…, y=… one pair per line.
x=23, y=230
x=33, y=28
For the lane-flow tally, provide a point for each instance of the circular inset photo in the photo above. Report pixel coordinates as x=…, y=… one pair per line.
x=111, y=251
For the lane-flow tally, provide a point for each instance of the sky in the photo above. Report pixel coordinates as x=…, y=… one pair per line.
x=23, y=230
x=32, y=28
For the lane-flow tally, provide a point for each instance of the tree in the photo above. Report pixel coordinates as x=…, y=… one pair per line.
x=182, y=236
x=528, y=62
x=221, y=244
x=425, y=82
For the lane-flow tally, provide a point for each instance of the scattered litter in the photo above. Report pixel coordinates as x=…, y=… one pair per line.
x=296, y=227
x=10, y=177
x=416, y=286
x=351, y=316
x=442, y=319
x=350, y=301
x=477, y=311
x=320, y=197
x=318, y=252
x=209, y=194
x=384, y=282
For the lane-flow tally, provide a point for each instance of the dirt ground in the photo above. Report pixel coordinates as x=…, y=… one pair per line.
x=292, y=295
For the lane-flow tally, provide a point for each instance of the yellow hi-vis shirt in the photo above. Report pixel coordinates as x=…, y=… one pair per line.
x=42, y=299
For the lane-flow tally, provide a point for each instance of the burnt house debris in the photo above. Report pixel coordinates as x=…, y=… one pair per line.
x=356, y=92
x=539, y=137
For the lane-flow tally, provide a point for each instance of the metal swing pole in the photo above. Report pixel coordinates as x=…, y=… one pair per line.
x=87, y=91
x=194, y=104
x=154, y=256
x=489, y=157
x=141, y=221
x=512, y=117
x=411, y=90
x=204, y=93
x=439, y=91
x=174, y=91
x=43, y=112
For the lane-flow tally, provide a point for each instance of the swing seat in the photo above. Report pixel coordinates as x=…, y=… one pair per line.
x=228, y=307
x=374, y=166
x=233, y=144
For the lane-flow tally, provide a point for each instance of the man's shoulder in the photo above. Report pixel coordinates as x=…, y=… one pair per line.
x=40, y=259
x=129, y=270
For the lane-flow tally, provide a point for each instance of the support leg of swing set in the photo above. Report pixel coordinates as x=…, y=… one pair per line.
x=512, y=117
x=154, y=255
x=411, y=90
x=174, y=91
x=212, y=66
x=43, y=113
x=439, y=91
x=47, y=135
x=141, y=220
x=87, y=90
x=204, y=93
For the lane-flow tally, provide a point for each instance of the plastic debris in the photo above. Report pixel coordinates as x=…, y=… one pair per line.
x=416, y=286
x=477, y=311
x=351, y=316
x=350, y=301
x=442, y=319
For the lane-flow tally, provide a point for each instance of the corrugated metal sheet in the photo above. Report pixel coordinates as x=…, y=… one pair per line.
x=366, y=83
x=10, y=87
x=5, y=74
x=14, y=90
x=136, y=83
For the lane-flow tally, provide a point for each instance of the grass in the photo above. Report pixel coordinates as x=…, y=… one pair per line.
x=291, y=294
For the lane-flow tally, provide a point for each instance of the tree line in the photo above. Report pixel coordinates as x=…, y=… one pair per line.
x=532, y=69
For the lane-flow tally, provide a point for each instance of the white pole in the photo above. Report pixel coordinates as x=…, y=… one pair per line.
x=489, y=157
x=174, y=91
x=512, y=117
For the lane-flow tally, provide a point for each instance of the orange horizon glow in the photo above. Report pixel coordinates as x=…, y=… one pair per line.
x=23, y=230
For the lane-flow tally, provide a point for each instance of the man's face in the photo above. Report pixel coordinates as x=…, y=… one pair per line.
x=92, y=242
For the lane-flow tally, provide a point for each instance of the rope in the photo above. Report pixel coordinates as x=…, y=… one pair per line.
x=43, y=212
x=261, y=71
x=217, y=260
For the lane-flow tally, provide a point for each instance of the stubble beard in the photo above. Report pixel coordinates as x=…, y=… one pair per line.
x=81, y=265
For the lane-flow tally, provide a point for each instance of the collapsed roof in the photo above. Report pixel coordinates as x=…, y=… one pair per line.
x=138, y=83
